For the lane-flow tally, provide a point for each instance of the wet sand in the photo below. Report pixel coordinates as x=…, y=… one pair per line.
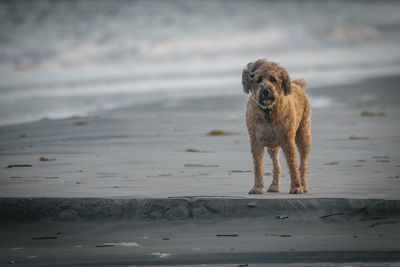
x=143, y=151
x=338, y=239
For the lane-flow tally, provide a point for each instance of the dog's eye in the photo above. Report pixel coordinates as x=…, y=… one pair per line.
x=272, y=79
x=259, y=79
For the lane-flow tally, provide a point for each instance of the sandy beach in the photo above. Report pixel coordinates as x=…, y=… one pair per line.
x=155, y=169
x=108, y=151
x=163, y=150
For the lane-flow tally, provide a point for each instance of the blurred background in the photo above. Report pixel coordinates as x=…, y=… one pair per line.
x=65, y=58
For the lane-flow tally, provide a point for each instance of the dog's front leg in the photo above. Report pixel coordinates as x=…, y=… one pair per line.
x=257, y=150
x=290, y=154
x=274, y=154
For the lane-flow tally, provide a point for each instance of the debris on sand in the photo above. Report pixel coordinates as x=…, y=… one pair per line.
x=198, y=151
x=282, y=217
x=353, y=137
x=238, y=171
x=252, y=204
x=44, y=237
x=81, y=123
x=333, y=214
x=367, y=113
x=118, y=244
x=160, y=175
x=227, y=235
x=199, y=165
x=18, y=166
x=278, y=235
x=331, y=163
x=47, y=159
x=192, y=150
x=382, y=222
x=106, y=245
x=218, y=132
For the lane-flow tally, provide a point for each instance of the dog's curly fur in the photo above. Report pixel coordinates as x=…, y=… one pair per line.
x=269, y=84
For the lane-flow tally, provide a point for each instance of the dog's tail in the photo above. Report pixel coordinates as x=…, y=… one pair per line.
x=302, y=83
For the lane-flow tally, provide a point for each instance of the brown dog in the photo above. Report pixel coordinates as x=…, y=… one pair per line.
x=278, y=115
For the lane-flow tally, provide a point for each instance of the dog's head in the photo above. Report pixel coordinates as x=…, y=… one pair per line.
x=266, y=81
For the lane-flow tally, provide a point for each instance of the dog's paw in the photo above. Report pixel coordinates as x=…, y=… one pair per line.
x=257, y=190
x=296, y=190
x=274, y=188
x=305, y=189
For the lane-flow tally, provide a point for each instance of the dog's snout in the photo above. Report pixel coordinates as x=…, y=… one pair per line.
x=265, y=92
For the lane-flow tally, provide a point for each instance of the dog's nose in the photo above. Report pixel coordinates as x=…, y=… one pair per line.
x=265, y=92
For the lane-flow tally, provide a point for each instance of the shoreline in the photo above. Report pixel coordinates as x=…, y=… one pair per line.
x=320, y=97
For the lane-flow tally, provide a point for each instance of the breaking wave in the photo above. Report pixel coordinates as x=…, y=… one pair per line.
x=113, y=51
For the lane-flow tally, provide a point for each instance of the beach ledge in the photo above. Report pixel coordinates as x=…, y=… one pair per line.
x=190, y=208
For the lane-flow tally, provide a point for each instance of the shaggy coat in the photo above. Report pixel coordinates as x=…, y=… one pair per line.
x=278, y=115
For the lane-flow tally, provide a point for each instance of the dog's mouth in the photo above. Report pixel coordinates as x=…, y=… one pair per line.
x=268, y=101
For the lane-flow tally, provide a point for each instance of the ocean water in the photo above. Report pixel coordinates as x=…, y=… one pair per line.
x=65, y=58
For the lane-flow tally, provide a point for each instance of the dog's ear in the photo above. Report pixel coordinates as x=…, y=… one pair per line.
x=247, y=77
x=285, y=81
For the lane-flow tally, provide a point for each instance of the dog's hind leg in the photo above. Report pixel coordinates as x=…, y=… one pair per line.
x=257, y=150
x=303, y=142
x=274, y=154
x=290, y=154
